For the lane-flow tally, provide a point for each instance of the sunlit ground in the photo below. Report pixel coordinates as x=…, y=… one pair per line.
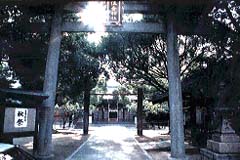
x=65, y=142
x=112, y=142
x=109, y=142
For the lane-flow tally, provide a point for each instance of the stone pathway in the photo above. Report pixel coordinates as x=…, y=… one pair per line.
x=110, y=143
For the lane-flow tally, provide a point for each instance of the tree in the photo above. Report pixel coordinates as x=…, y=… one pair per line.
x=221, y=69
x=22, y=49
x=141, y=58
x=78, y=68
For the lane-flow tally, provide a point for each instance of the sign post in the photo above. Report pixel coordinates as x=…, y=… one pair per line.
x=19, y=114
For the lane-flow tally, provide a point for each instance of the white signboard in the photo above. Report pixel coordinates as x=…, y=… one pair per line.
x=21, y=115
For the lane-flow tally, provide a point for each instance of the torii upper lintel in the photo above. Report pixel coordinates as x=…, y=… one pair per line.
x=162, y=2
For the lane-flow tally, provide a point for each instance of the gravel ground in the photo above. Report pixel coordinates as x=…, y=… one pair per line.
x=65, y=142
x=157, y=144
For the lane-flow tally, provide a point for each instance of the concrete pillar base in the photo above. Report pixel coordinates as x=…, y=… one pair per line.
x=183, y=158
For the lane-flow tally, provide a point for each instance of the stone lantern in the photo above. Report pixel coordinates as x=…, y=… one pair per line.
x=225, y=143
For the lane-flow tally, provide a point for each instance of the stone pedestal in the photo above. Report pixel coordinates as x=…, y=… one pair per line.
x=224, y=145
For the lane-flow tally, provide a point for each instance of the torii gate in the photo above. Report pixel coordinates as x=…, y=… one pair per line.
x=140, y=97
x=170, y=27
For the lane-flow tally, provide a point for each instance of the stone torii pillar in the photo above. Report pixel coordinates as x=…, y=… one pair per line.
x=175, y=91
x=44, y=148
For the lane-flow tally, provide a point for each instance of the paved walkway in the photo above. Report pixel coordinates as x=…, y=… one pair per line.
x=110, y=143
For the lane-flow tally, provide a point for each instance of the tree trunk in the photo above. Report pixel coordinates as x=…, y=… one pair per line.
x=139, y=112
x=86, y=109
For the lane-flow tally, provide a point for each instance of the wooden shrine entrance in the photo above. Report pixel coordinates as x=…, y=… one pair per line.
x=111, y=110
x=139, y=110
x=169, y=25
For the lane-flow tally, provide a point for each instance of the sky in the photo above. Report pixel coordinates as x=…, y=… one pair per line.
x=96, y=37
x=95, y=16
